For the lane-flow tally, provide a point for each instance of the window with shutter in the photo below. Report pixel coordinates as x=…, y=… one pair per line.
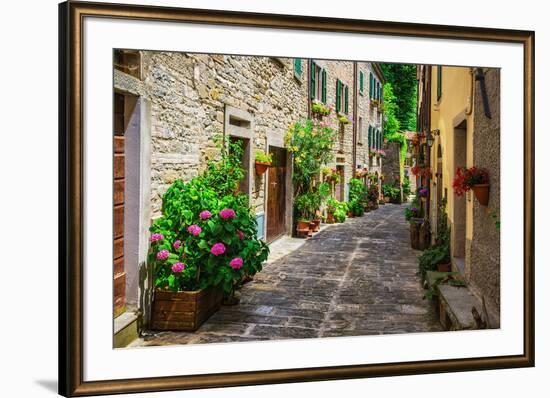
x=361, y=82
x=338, y=96
x=298, y=68
x=312, y=73
x=324, y=86
x=370, y=84
x=369, y=137
x=346, y=100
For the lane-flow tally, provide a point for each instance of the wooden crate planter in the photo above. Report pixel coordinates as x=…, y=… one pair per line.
x=184, y=311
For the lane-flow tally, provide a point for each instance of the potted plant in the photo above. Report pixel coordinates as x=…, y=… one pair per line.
x=343, y=118
x=263, y=161
x=473, y=178
x=202, y=247
x=423, y=194
x=319, y=109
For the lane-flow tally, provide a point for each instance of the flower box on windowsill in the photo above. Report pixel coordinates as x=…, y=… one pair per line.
x=343, y=119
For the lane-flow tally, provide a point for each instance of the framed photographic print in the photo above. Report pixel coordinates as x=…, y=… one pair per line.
x=281, y=198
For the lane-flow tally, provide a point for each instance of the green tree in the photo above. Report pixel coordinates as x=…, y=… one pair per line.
x=402, y=78
x=391, y=124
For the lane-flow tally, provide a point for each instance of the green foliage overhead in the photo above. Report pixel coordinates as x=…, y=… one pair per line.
x=402, y=78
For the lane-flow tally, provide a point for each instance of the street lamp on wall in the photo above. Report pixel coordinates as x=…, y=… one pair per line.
x=429, y=139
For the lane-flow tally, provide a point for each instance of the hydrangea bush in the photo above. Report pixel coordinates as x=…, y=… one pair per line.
x=204, y=238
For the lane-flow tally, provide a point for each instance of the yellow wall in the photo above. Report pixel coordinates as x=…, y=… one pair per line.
x=452, y=107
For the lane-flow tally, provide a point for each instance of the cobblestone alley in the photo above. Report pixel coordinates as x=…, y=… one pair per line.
x=355, y=278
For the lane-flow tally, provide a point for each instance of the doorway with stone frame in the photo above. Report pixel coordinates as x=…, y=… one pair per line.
x=458, y=231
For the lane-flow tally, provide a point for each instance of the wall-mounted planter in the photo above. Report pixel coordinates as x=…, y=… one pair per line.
x=261, y=167
x=481, y=191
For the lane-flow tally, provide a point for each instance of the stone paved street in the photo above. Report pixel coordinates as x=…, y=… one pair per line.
x=356, y=278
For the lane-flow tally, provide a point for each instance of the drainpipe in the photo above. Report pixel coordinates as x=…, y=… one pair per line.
x=355, y=119
x=472, y=85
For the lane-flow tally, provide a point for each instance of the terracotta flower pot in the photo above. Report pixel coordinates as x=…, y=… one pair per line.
x=330, y=218
x=444, y=267
x=316, y=225
x=261, y=167
x=481, y=191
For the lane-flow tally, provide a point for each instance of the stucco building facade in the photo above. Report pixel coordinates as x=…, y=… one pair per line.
x=465, y=133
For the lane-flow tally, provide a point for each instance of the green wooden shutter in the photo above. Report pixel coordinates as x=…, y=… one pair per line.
x=371, y=82
x=338, y=96
x=346, y=99
x=312, y=79
x=439, y=78
x=298, y=67
x=368, y=138
x=379, y=139
x=361, y=82
x=324, y=86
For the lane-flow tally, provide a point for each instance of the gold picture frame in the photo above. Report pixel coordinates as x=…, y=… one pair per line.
x=71, y=16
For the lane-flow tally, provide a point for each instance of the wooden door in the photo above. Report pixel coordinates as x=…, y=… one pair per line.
x=276, y=195
x=119, y=273
x=339, y=189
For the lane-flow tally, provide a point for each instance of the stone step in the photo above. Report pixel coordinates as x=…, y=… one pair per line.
x=456, y=304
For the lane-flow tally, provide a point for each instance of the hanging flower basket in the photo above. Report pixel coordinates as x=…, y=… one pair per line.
x=261, y=167
x=475, y=179
x=481, y=192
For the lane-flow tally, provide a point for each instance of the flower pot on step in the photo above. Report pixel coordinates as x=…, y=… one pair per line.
x=184, y=311
x=330, y=218
x=481, y=191
x=302, y=228
x=261, y=167
x=444, y=267
x=316, y=225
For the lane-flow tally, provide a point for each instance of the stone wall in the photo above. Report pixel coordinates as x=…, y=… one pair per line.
x=189, y=93
x=484, y=250
x=390, y=167
x=343, y=148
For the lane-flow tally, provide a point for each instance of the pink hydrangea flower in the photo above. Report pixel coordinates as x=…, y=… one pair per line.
x=218, y=249
x=227, y=213
x=205, y=215
x=177, y=244
x=236, y=263
x=163, y=255
x=155, y=237
x=178, y=267
x=195, y=230
x=240, y=234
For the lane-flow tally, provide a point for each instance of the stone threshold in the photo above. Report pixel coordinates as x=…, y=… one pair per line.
x=457, y=304
x=125, y=328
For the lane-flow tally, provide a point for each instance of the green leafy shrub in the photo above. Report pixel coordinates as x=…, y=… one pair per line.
x=306, y=205
x=357, y=197
x=339, y=209
x=439, y=253
x=406, y=187
x=394, y=193
x=207, y=234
